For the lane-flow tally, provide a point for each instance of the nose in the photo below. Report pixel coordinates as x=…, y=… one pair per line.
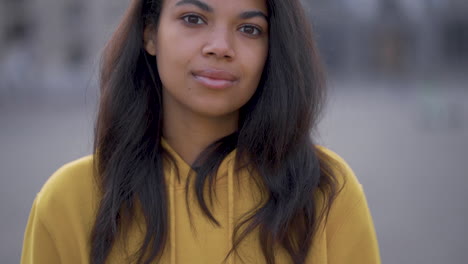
x=219, y=45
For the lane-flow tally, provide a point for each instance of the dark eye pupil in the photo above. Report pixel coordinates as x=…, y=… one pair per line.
x=193, y=19
x=249, y=30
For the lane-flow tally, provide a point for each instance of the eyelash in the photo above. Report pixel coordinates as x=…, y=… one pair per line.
x=186, y=18
x=259, y=30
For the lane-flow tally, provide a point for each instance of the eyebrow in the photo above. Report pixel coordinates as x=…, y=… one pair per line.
x=207, y=8
x=252, y=14
x=197, y=3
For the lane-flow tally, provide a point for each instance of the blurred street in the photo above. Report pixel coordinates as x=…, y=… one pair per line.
x=408, y=146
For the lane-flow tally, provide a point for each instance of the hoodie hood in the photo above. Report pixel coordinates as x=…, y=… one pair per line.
x=176, y=180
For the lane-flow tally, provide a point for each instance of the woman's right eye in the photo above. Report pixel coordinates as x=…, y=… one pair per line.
x=193, y=19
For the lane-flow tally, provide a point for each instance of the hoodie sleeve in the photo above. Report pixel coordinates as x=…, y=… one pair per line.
x=38, y=246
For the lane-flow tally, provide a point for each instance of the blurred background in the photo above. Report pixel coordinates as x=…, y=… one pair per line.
x=397, y=110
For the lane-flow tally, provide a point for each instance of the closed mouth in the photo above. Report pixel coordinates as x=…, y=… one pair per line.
x=216, y=74
x=214, y=78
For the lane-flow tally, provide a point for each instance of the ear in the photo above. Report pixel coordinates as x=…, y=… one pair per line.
x=149, y=41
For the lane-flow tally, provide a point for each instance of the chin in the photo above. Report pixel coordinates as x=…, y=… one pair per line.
x=217, y=112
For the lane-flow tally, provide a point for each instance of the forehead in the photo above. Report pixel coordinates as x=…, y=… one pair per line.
x=221, y=5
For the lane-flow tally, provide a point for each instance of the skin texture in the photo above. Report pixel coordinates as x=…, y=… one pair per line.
x=210, y=56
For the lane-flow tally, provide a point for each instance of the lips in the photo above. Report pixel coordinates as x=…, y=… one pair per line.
x=214, y=78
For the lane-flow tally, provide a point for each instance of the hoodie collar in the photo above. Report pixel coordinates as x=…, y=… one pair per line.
x=225, y=175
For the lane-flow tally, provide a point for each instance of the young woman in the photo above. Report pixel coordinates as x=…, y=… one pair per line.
x=203, y=149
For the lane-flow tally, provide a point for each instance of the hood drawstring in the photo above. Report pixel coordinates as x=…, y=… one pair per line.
x=230, y=230
x=172, y=235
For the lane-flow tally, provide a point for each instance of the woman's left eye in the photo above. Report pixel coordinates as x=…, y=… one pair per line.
x=250, y=30
x=193, y=19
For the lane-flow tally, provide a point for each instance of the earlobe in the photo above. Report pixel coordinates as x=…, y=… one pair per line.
x=148, y=40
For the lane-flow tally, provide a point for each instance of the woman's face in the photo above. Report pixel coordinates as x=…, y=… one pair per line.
x=210, y=53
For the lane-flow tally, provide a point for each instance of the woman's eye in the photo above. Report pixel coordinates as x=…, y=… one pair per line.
x=193, y=19
x=250, y=30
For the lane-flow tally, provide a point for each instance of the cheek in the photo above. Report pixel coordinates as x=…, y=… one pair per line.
x=173, y=48
x=255, y=58
x=172, y=59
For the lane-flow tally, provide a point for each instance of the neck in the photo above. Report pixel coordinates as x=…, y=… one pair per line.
x=189, y=134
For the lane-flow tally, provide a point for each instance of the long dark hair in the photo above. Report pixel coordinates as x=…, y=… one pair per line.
x=274, y=139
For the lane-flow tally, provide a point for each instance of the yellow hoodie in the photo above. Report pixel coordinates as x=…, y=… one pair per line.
x=63, y=214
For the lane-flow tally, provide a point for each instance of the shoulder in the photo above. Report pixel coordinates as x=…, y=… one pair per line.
x=72, y=177
x=350, y=233
x=349, y=193
x=349, y=209
x=62, y=216
x=70, y=190
x=346, y=181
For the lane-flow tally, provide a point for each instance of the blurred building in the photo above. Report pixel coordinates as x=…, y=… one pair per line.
x=392, y=38
x=53, y=46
